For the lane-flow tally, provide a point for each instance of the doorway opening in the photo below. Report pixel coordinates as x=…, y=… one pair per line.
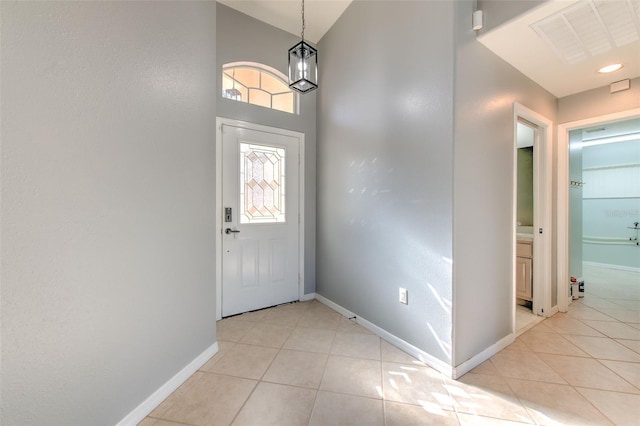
x=598, y=199
x=532, y=230
x=260, y=217
x=527, y=134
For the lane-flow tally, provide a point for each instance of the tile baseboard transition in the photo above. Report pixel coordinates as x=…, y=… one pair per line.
x=478, y=359
x=148, y=405
x=428, y=359
x=554, y=310
x=307, y=297
x=431, y=361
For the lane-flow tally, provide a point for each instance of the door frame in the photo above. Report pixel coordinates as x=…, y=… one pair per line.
x=542, y=194
x=220, y=122
x=562, y=219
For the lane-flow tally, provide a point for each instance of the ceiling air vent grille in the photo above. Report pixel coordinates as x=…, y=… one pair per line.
x=590, y=27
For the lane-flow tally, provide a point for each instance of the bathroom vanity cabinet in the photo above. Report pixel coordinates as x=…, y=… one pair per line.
x=524, y=263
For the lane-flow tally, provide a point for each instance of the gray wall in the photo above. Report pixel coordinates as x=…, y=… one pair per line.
x=596, y=102
x=611, y=217
x=108, y=132
x=242, y=38
x=486, y=88
x=498, y=12
x=612, y=154
x=385, y=168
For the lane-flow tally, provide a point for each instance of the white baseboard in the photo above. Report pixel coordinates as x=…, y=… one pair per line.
x=149, y=404
x=610, y=266
x=554, y=310
x=307, y=297
x=478, y=359
x=430, y=360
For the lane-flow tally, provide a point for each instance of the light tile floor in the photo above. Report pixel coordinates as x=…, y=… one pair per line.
x=525, y=319
x=304, y=364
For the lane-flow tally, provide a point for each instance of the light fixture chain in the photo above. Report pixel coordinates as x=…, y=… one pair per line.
x=303, y=20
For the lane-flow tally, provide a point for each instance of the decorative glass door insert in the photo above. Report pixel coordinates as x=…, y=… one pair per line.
x=262, y=184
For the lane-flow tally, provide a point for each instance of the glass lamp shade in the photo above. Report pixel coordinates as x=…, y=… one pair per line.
x=303, y=67
x=234, y=94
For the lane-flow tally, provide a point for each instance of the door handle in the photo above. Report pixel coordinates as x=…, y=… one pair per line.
x=231, y=231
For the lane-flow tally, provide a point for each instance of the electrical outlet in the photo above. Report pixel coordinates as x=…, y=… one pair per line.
x=403, y=296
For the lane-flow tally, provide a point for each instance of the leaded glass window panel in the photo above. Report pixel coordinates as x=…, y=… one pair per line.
x=258, y=84
x=260, y=97
x=273, y=85
x=248, y=77
x=283, y=101
x=262, y=189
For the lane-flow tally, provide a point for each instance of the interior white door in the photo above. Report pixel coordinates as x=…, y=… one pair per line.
x=260, y=190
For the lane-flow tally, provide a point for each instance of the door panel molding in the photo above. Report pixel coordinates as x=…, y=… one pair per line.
x=220, y=122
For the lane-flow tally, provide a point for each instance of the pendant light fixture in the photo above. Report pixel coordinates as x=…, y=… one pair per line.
x=303, y=65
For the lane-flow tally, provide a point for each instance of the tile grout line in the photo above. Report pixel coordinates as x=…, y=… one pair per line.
x=592, y=404
x=628, y=340
x=363, y=396
x=453, y=406
x=599, y=360
x=589, y=356
x=575, y=387
x=324, y=369
x=455, y=409
x=515, y=394
x=614, y=372
x=244, y=403
x=166, y=410
x=257, y=381
x=597, y=309
x=382, y=387
x=171, y=421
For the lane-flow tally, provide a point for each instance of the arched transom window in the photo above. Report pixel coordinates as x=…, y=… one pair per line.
x=258, y=84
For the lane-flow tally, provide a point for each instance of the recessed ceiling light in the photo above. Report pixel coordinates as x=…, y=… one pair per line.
x=610, y=68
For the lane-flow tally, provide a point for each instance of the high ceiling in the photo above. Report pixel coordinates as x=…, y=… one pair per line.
x=320, y=15
x=560, y=44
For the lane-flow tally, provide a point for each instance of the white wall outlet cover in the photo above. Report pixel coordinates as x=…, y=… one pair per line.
x=403, y=296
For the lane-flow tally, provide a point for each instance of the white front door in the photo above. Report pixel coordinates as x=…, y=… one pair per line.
x=260, y=190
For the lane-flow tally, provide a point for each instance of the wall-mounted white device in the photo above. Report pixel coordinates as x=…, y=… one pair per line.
x=403, y=296
x=477, y=21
